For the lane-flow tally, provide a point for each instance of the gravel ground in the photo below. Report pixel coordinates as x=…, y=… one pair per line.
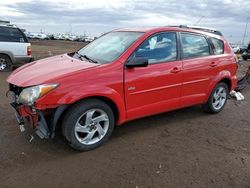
x=184, y=148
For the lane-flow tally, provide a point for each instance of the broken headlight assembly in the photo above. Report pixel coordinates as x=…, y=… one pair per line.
x=29, y=95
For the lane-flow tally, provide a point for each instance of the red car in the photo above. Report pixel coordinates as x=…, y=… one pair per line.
x=123, y=75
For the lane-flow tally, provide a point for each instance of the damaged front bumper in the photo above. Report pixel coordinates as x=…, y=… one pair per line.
x=42, y=122
x=35, y=119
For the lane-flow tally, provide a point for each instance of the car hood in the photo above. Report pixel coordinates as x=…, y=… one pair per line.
x=42, y=71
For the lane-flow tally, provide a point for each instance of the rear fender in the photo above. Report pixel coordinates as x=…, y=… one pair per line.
x=222, y=75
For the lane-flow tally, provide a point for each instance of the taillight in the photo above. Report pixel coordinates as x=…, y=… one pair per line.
x=29, y=51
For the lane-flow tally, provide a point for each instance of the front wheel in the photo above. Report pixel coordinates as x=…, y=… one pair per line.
x=88, y=124
x=217, y=99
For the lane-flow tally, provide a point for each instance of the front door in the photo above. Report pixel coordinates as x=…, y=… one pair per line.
x=155, y=88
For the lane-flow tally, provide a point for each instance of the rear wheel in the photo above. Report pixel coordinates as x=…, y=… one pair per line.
x=88, y=124
x=5, y=63
x=217, y=99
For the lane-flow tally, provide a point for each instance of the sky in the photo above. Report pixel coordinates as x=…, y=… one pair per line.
x=95, y=17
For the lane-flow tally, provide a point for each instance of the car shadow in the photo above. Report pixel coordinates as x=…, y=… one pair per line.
x=155, y=121
x=59, y=144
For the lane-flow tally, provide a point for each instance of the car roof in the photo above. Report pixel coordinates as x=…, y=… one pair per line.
x=8, y=25
x=198, y=30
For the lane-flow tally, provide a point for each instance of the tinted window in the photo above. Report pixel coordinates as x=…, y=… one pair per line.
x=158, y=48
x=9, y=34
x=194, y=45
x=217, y=46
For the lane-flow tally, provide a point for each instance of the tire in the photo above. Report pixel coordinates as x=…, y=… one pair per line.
x=88, y=124
x=244, y=58
x=5, y=63
x=214, y=105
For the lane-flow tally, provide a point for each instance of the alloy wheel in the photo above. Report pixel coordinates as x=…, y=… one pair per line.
x=219, y=98
x=92, y=126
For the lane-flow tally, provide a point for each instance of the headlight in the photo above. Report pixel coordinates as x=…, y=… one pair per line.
x=30, y=94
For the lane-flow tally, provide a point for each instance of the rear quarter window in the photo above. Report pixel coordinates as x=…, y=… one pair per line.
x=9, y=34
x=217, y=46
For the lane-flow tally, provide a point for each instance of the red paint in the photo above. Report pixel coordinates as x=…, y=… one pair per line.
x=26, y=112
x=137, y=92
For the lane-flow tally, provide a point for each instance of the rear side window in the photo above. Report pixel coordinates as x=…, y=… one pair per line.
x=194, y=45
x=9, y=34
x=217, y=46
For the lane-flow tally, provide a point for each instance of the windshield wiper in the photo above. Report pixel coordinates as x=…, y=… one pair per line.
x=86, y=57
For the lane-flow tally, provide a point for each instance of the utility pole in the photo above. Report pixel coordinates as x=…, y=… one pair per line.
x=198, y=21
x=244, y=36
x=70, y=28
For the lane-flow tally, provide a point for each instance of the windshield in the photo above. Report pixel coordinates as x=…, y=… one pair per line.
x=110, y=46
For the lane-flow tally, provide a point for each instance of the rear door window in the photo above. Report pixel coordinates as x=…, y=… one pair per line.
x=9, y=34
x=194, y=45
x=217, y=46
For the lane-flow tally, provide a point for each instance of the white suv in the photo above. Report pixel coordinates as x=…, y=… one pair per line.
x=15, y=48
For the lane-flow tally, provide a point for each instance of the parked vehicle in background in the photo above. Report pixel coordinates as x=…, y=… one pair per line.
x=243, y=48
x=236, y=49
x=246, y=53
x=15, y=48
x=123, y=75
x=40, y=36
x=88, y=39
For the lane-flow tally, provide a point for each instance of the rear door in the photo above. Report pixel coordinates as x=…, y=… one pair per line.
x=155, y=88
x=199, y=68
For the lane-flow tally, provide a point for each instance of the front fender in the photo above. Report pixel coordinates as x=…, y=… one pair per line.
x=73, y=96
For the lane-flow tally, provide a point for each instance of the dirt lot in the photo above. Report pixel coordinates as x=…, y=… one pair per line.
x=45, y=48
x=184, y=148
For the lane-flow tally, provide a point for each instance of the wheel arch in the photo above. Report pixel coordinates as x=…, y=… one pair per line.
x=228, y=82
x=61, y=110
x=9, y=54
x=224, y=76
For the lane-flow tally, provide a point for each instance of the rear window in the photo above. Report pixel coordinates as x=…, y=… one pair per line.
x=217, y=46
x=9, y=34
x=194, y=45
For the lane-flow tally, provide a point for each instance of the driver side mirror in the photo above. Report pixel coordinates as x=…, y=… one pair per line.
x=137, y=62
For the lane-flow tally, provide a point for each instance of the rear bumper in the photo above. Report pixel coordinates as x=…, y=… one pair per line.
x=22, y=60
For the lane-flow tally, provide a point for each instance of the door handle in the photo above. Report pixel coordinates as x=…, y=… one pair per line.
x=175, y=70
x=213, y=64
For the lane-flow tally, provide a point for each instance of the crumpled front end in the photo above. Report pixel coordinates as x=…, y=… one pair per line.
x=43, y=122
